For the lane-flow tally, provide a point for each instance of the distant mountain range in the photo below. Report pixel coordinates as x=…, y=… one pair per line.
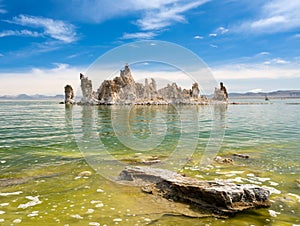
x=273, y=95
x=31, y=97
x=248, y=95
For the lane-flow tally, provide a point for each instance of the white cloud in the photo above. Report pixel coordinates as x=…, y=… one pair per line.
x=245, y=77
x=268, y=22
x=55, y=29
x=276, y=61
x=222, y=30
x=2, y=10
x=198, y=37
x=19, y=33
x=60, y=67
x=152, y=15
x=139, y=35
x=213, y=46
x=255, y=90
x=297, y=35
x=212, y=35
x=280, y=61
x=40, y=81
x=267, y=62
x=102, y=10
x=52, y=81
x=153, y=4
x=255, y=71
x=166, y=15
x=275, y=16
x=163, y=77
x=263, y=53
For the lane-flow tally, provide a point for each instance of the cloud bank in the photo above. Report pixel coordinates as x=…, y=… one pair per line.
x=273, y=17
x=40, y=81
x=41, y=26
x=151, y=15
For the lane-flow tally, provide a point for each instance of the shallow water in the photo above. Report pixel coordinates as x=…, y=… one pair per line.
x=45, y=146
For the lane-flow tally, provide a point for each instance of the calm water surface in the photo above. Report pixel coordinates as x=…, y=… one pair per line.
x=41, y=163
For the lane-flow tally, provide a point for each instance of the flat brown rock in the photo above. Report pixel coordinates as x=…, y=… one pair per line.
x=222, y=198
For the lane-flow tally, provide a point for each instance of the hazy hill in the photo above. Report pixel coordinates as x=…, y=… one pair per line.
x=31, y=97
x=275, y=94
x=249, y=95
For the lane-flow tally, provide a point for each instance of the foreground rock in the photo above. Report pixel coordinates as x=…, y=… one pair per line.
x=221, y=198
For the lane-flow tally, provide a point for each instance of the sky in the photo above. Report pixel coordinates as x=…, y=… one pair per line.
x=249, y=45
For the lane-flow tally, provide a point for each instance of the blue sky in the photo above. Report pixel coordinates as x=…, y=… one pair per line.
x=249, y=45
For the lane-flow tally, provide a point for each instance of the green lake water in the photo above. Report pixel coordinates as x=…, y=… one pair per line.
x=45, y=147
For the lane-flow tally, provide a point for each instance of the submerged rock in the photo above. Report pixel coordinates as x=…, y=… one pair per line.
x=221, y=198
x=17, y=181
x=85, y=174
x=241, y=156
x=219, y=159
x=298, y=183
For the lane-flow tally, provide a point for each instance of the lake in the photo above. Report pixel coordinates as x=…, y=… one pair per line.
x=59, y=163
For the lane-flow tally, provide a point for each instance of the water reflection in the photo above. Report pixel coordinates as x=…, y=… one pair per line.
x=135, y=128
x=68, y=116
x=216, y=134
x=170, y=133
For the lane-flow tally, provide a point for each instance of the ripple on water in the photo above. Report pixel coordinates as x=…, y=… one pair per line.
x=76, y=216
x=94, y=224
x=33, y=214
x=117, y=219
x=4, y=204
